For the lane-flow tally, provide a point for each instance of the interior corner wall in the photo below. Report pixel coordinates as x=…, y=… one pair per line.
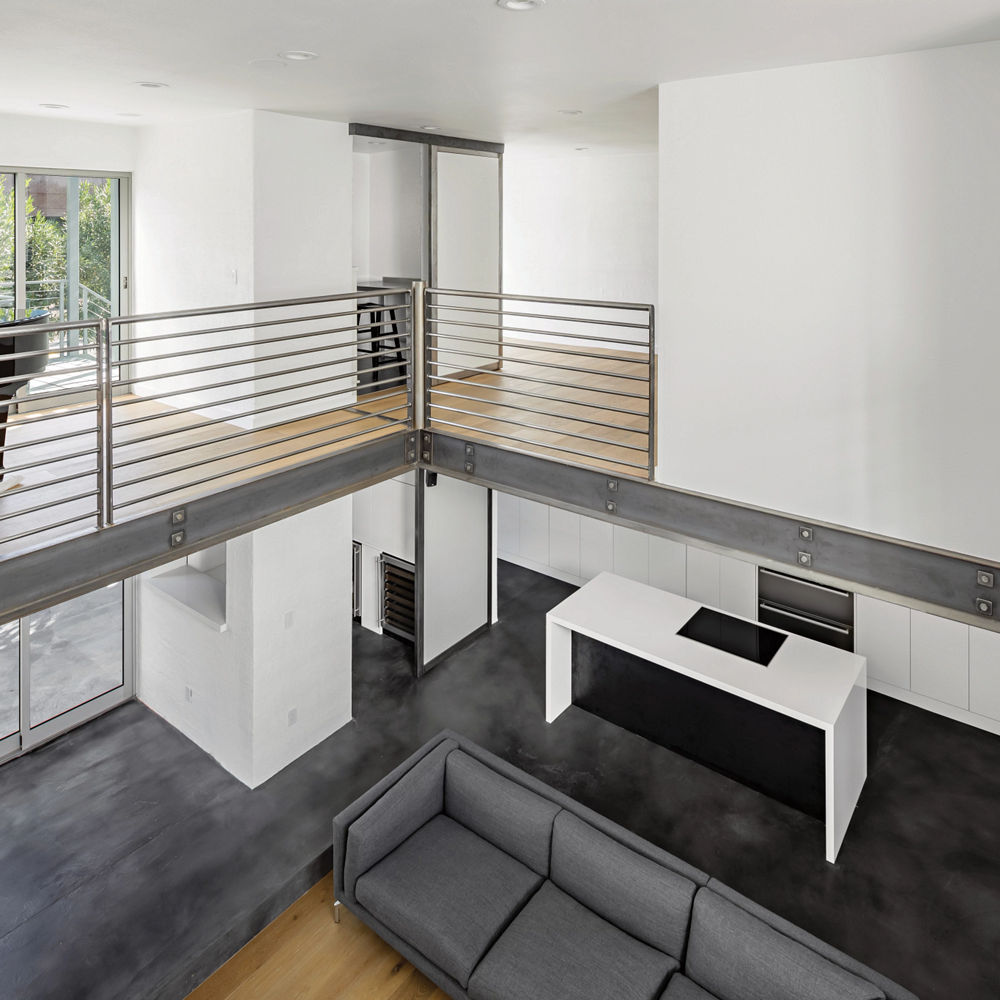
x=62, y=144
x=396, y=230
x=828, y=292
x=580, y=224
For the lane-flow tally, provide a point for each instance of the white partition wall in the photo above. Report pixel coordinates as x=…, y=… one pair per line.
x=465, y=247
x=453, y=561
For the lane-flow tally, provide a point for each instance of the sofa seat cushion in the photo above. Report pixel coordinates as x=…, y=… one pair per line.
x=447, y=892
x=557, y=949
x=736, y=956
x=681, y=988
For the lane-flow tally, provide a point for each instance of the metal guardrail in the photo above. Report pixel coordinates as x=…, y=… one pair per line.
x=566, y=378
x=169, y=406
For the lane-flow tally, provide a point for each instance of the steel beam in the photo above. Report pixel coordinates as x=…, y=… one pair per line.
x=920, y=576
x=52, y=574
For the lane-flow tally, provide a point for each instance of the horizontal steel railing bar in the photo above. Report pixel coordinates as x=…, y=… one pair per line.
x=238, y=399
x=237, y=416
x=46, y=352
x=54, y=460
x=26, y=329
x=261, y=324
x=194, y=446
x=538, y=364
x=632, y=306
x=544, y=413
x=251, y=306
x=72, y=390
x=130, y=380
x=47, y=506
x=553, y=316
x=238, y=381
x=247, y=468
x=256, y=343
x=29, y=420
x=21, y=490
x=544, y=381
x=437, y=379
x=50, y=527
x=34, y=376
x=547, y=349
x=541, y=444
x=540, y=333
x=37, y=441
x=540, y=427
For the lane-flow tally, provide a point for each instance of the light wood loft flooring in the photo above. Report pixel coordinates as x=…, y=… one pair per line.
x=304, y=955
x=206, y=458
x=50, y=504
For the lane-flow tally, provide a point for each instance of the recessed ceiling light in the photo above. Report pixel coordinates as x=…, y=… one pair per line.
x=571, y=112
x=431, y=128
x=519, y=4
x=151, y=84
x=582, y=149
x=298, y=55
x=54, y=107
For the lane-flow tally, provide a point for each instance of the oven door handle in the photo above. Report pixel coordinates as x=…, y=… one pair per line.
x=765, y=606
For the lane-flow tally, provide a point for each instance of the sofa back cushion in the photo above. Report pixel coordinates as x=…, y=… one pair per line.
x=736, y=956
x=633, y=892
x=415, y=798
x=501, y=811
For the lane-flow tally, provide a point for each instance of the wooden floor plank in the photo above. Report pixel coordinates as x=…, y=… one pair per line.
x=304, y=955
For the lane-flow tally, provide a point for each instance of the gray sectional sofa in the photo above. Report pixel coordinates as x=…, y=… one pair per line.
x=497, y=887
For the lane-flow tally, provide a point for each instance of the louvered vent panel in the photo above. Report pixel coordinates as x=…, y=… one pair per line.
x=398, y=602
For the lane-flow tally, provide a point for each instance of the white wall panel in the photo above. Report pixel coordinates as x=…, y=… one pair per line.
x=509, y=528
x=939, y=658
x=631, y=553
x=738, y=587
x=564, y=541
x=534, y=531
x=668, y=564
x=703, y=572
x=597, y=553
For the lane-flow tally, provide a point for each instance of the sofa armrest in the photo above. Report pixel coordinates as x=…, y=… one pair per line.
x=377, y=822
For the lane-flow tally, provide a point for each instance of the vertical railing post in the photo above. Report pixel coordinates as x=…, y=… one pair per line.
x=653, y=411
x=105, y=445
x=418, y=375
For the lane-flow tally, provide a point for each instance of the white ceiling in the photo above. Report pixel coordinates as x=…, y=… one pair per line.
x=465, y=65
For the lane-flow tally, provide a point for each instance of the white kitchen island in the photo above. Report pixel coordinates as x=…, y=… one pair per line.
x=813, y=683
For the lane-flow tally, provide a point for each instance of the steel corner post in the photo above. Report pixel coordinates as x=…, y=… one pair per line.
x=105, y=442
x=419, y=374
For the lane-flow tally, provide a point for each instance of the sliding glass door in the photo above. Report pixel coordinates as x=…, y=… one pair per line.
x=63, y=248
x=63, y=666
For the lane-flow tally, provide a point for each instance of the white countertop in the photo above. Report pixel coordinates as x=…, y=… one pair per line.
x=806, y=680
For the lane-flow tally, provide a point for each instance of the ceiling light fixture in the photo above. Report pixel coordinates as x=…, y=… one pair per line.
x=151, y=84
x=520, y=4
x=298, y=55
x=582, y=149
x=54, y=107
x=571, y=112
x=431, y=128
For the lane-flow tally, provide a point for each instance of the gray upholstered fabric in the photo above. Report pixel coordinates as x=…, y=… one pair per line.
x=404, y=808
x=736, y=956
x=648, y=901
x=556, y=949
x=681, y=988
x=448, y=892
x=891, y=989
x=499, y=810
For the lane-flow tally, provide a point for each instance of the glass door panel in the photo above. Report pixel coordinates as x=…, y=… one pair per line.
x=10, y=681
x=7, y=248
x=75, y=653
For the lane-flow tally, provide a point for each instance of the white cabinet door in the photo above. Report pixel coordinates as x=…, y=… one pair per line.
x=534, y=531
x=738, y=587
x=703, y=576
x=392, y=519
x=882, y=634
x=984, y=672
x=564, y=541
x=508, y=524
x=939, y=658
x=631, y=554
x=668, y=565
x=596, y=547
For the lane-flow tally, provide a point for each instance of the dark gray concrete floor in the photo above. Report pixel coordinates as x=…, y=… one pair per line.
x=131, y=865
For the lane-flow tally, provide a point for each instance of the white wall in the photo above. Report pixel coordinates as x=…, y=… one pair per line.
x=580, y=224
x=361, y=214
x=60, y=144
x=286, y=647
x=828, y=293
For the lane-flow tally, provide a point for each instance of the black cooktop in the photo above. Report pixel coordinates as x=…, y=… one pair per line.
x=733, y=635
